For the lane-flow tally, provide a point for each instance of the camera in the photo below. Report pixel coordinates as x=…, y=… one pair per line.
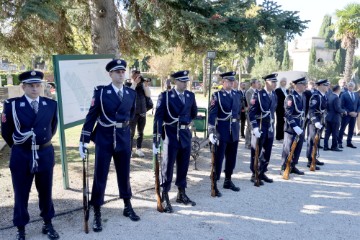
x=142, y=79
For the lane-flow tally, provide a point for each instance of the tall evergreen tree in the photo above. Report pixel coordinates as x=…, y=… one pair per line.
x=312, y=58
x=286, y=60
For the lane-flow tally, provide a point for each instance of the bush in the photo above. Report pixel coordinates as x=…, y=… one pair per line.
x=4, y=75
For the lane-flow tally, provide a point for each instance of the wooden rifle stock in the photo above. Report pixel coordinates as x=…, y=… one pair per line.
x=256, y=163
x=212, y=176
x=159, y=206
x=290, y=157
x=86, y=204
x=314, y=150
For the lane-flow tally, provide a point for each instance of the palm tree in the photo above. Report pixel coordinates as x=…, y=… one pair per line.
x=348, y=30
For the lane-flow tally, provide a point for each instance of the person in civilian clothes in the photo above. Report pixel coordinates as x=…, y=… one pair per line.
x=333, y=119
x=281, y=93
x=254, y=85
x=261, y=114
x=350, y=102
x=294, y=106
x=223, y=130
x=244, y=105
x=112, y=107
x=175, y=110
x=28, y=124
x=317, y=112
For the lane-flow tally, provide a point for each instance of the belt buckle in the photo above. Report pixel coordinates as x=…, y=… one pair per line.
x=34, y=147
x=119, y=125
x=182, y=126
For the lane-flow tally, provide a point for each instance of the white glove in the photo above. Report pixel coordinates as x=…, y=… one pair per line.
x=256, y=132
x=298, y=130
x=82, y=147
x=318, y=125
x=156, y=150
x=212, y=138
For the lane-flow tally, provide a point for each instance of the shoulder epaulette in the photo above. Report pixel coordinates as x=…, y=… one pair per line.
x=99, y=87
x=129, y=88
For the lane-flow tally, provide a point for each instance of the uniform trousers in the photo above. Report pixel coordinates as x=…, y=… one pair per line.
x=332, y=128
x=103, y=155
x=288, y=141
x=174, y=152
x=227, y=150
x=265, y=145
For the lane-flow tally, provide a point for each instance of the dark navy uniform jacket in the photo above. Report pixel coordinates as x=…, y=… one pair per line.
x=175, y=116
x=262, y=106
x=294, y=106
x=225, y=108
x=44, y=125
x=113, y=112
x=317, y=107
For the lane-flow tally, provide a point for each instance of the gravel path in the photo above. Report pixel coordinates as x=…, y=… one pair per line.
x=318, y=205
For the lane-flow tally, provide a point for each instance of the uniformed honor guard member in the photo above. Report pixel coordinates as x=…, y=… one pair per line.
x=112, y=107
x=261, y=114
x=223, y=129
x=28, y=124
x=294, y=106
x=317, y=112
x=175, y=110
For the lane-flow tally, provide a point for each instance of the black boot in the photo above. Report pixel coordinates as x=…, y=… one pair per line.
x=183, y=198
x=217, y=192
x=20, y=235
x=309, y=164
x=97, y=227
x=262, y=176
x=129, y=211
x=165, y=198
x=228, y=184
x=49, y=230
x=253, y=180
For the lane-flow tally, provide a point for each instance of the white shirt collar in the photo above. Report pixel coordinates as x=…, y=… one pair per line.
x=178, y=93
x=30, y=100
x=117, y=89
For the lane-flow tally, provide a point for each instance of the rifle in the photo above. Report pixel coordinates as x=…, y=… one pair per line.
x=86, y=192
x=157, y=180
x=314, y=150
x=256, y=163
x=290, y=157
x=213, y=175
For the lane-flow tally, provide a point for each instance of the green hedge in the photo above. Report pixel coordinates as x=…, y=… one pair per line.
x=4, y=78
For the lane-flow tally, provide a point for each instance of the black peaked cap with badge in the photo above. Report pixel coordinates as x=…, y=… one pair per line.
x=300, y=81
x=181, y=76
x=228, y=76
x=31, y=77
x=270, y=77
x=116, y=64
x=323, y=82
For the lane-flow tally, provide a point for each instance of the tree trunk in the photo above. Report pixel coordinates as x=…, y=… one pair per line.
x=349, y=60
x=104, y=27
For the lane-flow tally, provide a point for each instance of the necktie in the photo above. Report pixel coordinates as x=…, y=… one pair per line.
x=352, y=96
x=182, y=98
x=35, y=106
x=120, y=95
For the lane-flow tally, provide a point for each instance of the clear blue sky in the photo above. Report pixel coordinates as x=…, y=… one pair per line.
x=314, y=10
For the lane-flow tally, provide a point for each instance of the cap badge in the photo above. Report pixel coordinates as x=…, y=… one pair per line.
x=33, y=73
x=118, y=62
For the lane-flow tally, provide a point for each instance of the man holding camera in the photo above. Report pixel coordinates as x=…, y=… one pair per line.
x=140, y=85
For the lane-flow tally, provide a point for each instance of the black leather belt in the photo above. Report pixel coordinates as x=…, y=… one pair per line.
x=181, y=126
x=34, y=147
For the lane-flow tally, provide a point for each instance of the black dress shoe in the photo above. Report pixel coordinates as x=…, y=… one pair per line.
x=252, y=179
x=228, y=184
x=265, y=178
x=350, y=145
x=316, y=167
x=97, y=227
x=129, y=212
x=336, y=150
x=319, y=146
x=20, y=235
x=296, y=171
x=50, y=231
x=167, y=206
x=319, y=163
x=183, y=198
x=340, y=146
x=326, y=149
